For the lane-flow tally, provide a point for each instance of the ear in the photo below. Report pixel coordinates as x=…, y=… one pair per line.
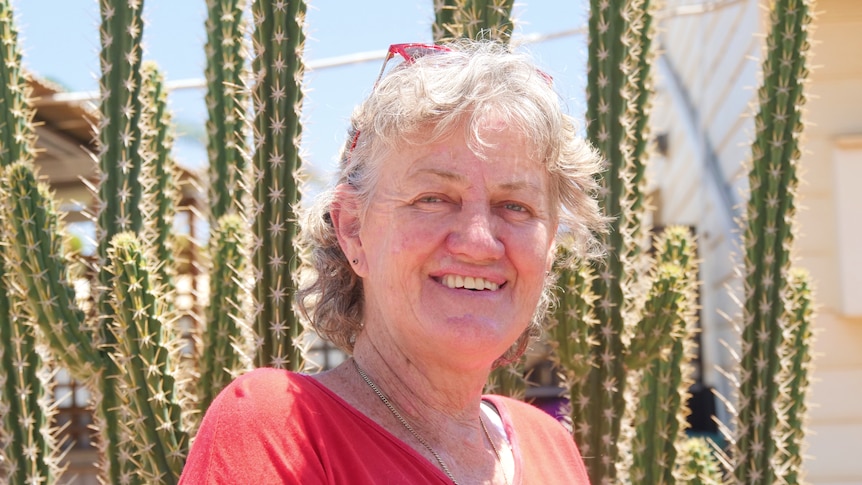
x=344, y=212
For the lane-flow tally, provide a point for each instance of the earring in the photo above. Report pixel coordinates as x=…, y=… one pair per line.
x=355, y=261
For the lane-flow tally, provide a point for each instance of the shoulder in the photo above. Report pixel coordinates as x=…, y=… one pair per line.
x=262, y=389
x=251, y=430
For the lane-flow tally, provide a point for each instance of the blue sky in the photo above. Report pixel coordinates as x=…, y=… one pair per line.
x=60, y=41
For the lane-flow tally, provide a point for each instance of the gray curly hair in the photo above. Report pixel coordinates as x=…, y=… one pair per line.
x=425, y=101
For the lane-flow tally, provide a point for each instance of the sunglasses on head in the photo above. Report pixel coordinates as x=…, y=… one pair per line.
x=409, y=52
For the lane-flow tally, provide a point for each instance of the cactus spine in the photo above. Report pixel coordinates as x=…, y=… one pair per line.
x=762, y=399
x=278, y=41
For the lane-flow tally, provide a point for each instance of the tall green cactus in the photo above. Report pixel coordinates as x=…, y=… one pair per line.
x=618, y=80
x=768, y=244
x=120, y=164
x=277, y=42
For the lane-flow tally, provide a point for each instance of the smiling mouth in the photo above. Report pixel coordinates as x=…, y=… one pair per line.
x=469, y=283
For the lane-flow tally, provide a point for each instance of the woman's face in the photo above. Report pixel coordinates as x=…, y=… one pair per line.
x=455, y=247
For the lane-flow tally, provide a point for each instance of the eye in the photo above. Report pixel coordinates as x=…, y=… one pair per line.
x=514, y=206
x=429, y=201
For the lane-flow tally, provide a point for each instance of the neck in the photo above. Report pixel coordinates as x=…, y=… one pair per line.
x=439, y=403
x=423, y=389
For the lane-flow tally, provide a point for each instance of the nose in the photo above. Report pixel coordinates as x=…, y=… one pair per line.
x=474, y=235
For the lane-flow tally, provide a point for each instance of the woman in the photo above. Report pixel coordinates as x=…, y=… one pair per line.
x=430, y=263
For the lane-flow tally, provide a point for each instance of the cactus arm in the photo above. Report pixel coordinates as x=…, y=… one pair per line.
x=143, y=354
x=658, y=326
x=278, y=41
x=571, y=326
x=30, y=451
x=41, y=272
x=226, y=353
x=660, y=417
x=159, y=176
x=225, y=100
x=769, y=236
x=800, y=315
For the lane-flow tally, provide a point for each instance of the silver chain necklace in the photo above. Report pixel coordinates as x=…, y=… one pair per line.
x=416, y=435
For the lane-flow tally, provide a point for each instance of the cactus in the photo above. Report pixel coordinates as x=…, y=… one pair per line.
x=29, y=446
x=472, y=19
x=159, y=177
x=278, y=41
x=27, y=443
x=768, y=243
x=660, y=417
x=144, y=344
x=618, y=76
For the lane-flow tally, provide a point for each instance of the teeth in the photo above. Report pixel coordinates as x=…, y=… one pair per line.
x=469, y=282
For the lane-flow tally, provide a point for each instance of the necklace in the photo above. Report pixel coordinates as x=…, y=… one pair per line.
x=416, y=435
